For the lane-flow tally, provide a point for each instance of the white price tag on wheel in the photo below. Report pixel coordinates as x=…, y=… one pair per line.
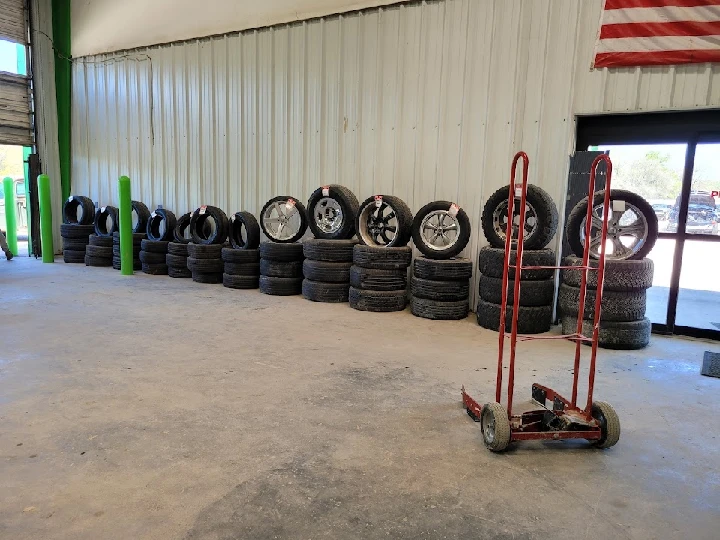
x=453, y=210
x=103, y=209
x=326, y=191
x=518, y=190
x=378, y=201
x=232, y=218
x=70, y=198
x=203, y=209
x=618, y=206
x=290, y=204
x=153, y=215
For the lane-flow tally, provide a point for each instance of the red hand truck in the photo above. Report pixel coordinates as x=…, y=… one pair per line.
x=597, y=421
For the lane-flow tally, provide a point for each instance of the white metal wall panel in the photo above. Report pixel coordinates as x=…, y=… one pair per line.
x=12, y=21
x=423, y=101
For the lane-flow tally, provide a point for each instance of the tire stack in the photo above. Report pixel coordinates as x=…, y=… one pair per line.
x=160, y=228
x=177, y=254
x=537, y=287
x=623, y=324
x=326, y=269
x=378, y=278
x=78, y=217
x=440, y=288
x=137, y=239
x=99, y=251
x=242, y=260
x=208, y=229
x=281, y=268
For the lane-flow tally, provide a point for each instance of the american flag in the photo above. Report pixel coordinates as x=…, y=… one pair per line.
x=658, y=32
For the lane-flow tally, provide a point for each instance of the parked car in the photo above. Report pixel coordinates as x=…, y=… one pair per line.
x=20, y=204
x=702, y=216
x=662, y=210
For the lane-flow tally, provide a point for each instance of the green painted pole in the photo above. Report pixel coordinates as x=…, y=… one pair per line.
x=61, y=41
x=46, y=234
x=10, y=211
x=126, y=237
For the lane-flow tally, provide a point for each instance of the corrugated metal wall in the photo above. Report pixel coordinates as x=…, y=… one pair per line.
x=424, y=101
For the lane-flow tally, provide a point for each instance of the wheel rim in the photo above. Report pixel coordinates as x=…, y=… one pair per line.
x=328, y=215
x=627, y=232
x=378, y=225
x=280, y=222
x=439, y=230
x=500, y=220
x=488, y=426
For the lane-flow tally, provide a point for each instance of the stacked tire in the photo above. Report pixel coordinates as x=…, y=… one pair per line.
x=242, y=259
x=99, y=251
x=78, y=217
x=623, y=324
x=205, y=262
x=378, y=278
x=537, y=286
x=137, y=240
x=177, y=255
x=281, y=268
x=326, y=269
x=153, y=256
x=440, y=288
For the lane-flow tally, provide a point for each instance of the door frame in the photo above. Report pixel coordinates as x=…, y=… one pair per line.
x=690, y=128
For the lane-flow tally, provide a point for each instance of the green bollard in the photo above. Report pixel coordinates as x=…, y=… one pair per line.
x=126, y=236
x=46, y=233
x=10, y=211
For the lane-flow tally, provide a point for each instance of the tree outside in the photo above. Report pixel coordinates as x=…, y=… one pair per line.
x=11, y=161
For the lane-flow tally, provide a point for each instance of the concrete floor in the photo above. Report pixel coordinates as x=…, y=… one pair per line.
x=150, y=408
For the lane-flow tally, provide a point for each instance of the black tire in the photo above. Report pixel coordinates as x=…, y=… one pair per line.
x=240, y=256
x=99, y=252
x=385, y=258
x=75, y=244
x=97, y=261
x=620, y=275
x=178, y=272
x=70, y=256
x=198, y=231
x=177, y=248
x=137, y=265
x=448, y=213
x=137, y=238
x=232, y=281
x=318, y=291
x=181, y=225
x=497, y=439
x=378, y=279
x=574, y=226
x=86, y=207
x=204, y=251
x=616, y=306
x=205, y=266
x=136, y=251
x=280, y=286
x=290, y=269
x=532, y=293
x=324, y=220
x=95, y=240
x=154, y=246
x=457, y=269
x=491, y=260
x=101, y=226
x=143, y=215
x=68, y=230
x=176, y=261
x=281, y=252
x=242, y=269
x=209, y=278
x=155, y=269
x=439, y=310
x=151, y=257
x=244, y=231
x=377, y=301
x=609, y=424
x=626, y=336
x=381, y=213
x=329, y=250
x=327, y=272
x=531, y=320
x=288, y=205
x=156, y=219
x=442, y=291
x=545, y=218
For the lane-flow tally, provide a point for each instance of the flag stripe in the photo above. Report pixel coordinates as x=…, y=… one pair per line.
x=623, y=4
x=662, y=43
x=638, y=30
x=657, y=58
x=656, y=15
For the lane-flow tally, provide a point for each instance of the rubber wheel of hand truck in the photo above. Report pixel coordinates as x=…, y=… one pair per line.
x=609, y=424
x=495, y=426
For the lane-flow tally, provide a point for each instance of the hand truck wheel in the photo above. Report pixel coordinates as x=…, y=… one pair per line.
x=609, y=423
x=495, y=426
